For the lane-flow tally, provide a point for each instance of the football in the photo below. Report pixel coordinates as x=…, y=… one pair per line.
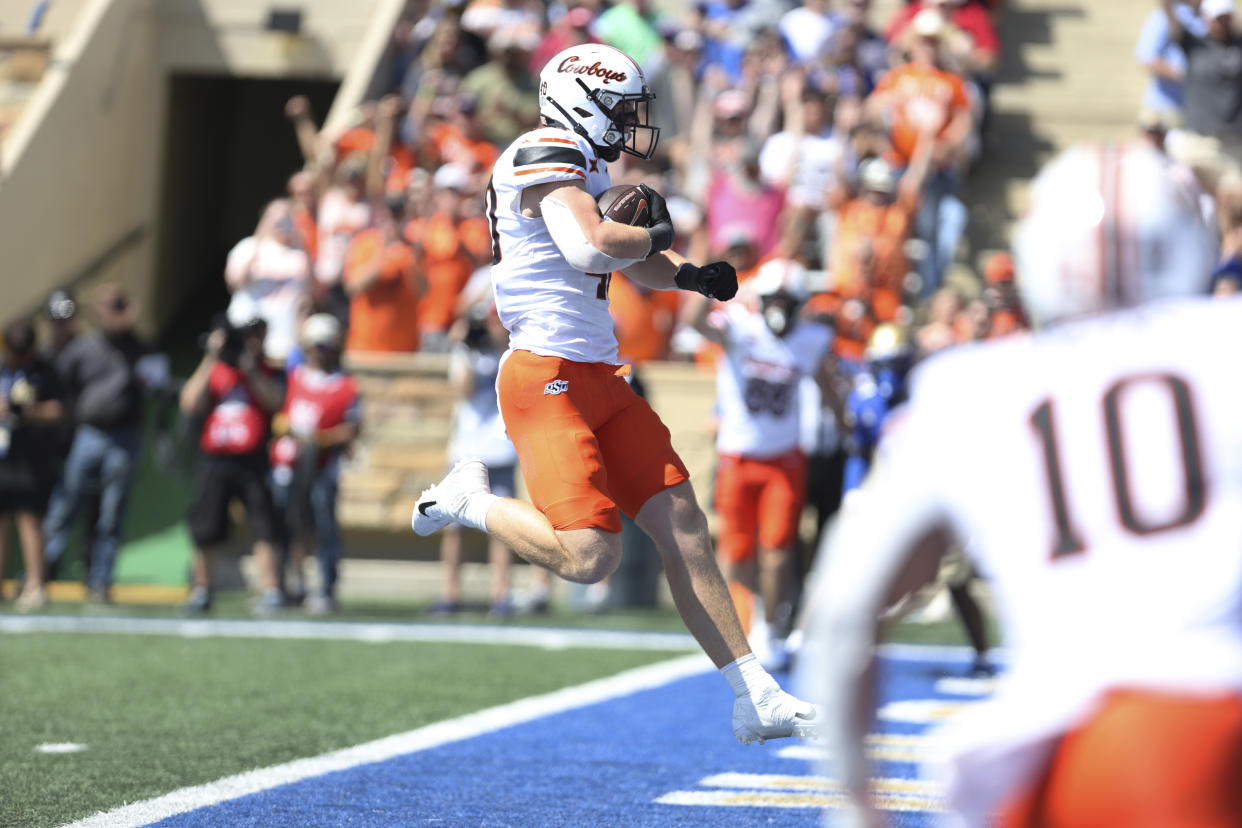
x=625, y=204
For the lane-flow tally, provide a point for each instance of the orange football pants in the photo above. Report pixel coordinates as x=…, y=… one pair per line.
x=759, y=500
x=589, y=446
x=1144, y=760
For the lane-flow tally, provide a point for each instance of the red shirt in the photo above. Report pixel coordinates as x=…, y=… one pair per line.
x=315, y=401
x=236, y=423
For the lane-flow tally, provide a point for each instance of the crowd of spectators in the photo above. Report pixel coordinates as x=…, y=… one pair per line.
x=807, y=131
x=1192, y=111
x=770, y=111
x=802, y=130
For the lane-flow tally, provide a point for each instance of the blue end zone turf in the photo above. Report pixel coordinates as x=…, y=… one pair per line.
x=663, y=757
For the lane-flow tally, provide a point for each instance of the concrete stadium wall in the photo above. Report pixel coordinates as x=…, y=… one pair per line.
x=80, y=188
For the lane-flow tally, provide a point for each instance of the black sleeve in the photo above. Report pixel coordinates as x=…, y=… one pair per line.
x=49, y=382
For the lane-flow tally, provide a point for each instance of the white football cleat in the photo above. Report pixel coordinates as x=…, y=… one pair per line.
x=445, y=502
x=771, y=713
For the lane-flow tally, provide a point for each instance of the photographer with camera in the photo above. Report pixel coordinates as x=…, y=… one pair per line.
x=105, y=374
x=30, y=411
x=235, y=394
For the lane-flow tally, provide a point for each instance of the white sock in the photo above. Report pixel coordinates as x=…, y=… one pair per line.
x=474, y=514
x=747, y=676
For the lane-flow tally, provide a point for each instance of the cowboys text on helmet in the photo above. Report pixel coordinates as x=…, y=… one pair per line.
x=574, y=64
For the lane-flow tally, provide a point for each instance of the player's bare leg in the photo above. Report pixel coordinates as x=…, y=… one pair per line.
x=675, y=522
x=583, y=556
x=761, y=710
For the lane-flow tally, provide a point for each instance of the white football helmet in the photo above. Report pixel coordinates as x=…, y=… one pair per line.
x=1109, y=226
x=780, y=276
x=601, y=94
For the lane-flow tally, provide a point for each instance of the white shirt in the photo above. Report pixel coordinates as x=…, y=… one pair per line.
x=813, y=172
x=339, y=219
x=273, y=278
x=807, y=33
x=758, y=381
x=548, y=307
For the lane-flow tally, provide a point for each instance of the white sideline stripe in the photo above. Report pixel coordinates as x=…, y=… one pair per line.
x=815, y=784
x=551, y=638
x=937, y=652
x=781, y=799
x=473, y=724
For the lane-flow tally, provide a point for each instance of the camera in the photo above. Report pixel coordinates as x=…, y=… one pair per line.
x=234, y=339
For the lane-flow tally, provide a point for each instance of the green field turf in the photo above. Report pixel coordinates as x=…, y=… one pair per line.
x=160, y=713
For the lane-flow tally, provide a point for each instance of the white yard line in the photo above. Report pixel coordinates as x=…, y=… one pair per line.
x=465, y=727
x=552, y=638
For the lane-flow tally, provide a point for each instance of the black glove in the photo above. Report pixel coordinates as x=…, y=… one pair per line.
x=717, y=280
x=660, y=225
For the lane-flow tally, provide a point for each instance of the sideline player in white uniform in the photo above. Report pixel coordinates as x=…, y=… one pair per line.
x=1096, y=469
x=589, y=447
x=761, y=473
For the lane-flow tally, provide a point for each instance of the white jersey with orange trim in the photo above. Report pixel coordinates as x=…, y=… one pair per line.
x=548, y=307
x=758, y=381
x=1095, y=472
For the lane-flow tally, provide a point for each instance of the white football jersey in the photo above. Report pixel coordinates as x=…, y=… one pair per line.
x=758, y=380
x=1094, y=473
x=1095, y=470
x=548, y=307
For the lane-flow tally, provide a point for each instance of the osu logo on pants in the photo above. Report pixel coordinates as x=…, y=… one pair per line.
x=556, y=387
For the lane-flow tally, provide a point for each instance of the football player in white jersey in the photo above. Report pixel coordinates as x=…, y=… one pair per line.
x=761, y=474
x=589, y=447
x=1095, y=469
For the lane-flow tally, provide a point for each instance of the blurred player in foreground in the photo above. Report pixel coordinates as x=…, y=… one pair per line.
x=1096, y=468
x=589, y=446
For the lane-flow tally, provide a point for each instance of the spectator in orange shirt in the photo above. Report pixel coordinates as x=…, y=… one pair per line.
x=381, y=280
x=921, y=97
x=459, y=139
x=644, y=319
x=868, y=259
x=452, y=245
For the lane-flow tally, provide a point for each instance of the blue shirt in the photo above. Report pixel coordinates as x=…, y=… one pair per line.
x=1154, y=43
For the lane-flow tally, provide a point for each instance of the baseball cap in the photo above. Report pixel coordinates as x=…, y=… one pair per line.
x=1159, y=119
x=321, y=329
x=928, y=23
x=451, y=177
x=60, y=305
x=876, y=174
x=1211, y=9
x=780, y=275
